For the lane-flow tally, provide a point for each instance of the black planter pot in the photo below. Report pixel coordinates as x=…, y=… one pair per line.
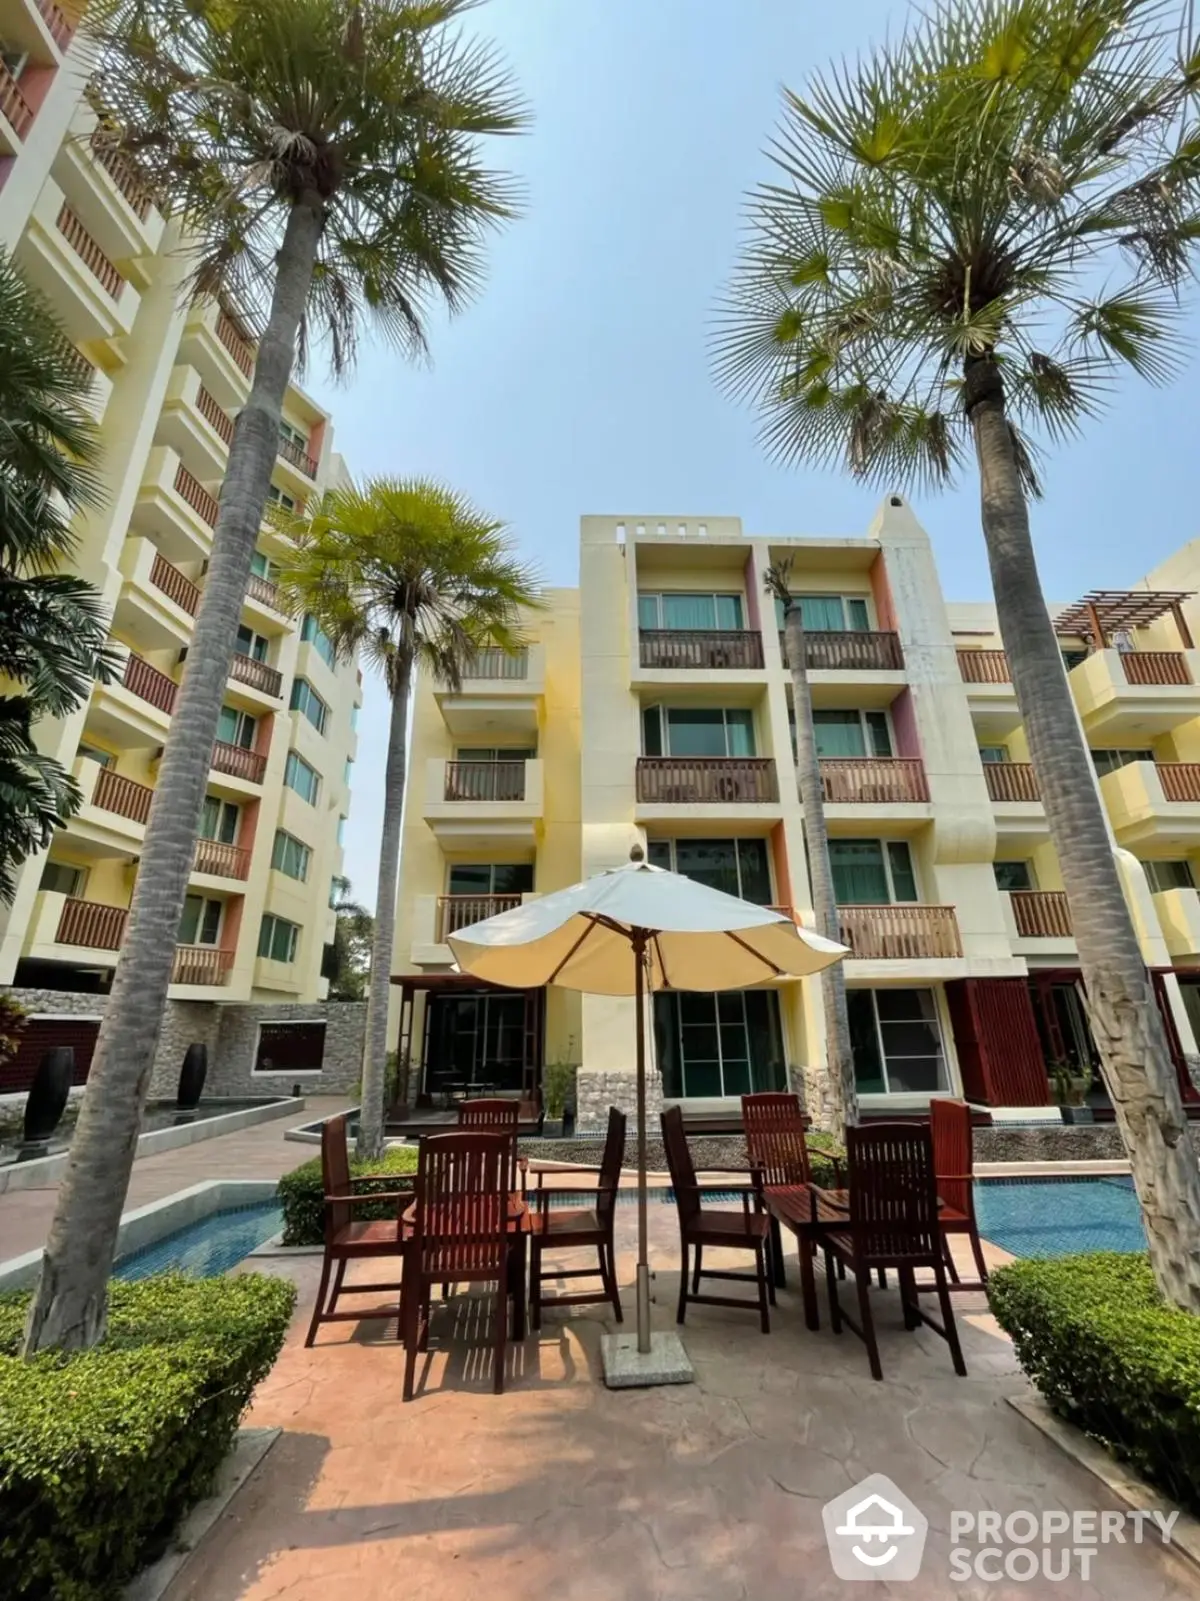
x=191, y=1077
x=48, y=1095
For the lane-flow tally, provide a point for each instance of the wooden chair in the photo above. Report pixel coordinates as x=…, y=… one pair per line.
x=700, y=1226
x=460, y=1234
x=773, y=1123
x=570, y=1229
x=953, y=1165
x=346, y=1240
x=496, y=1115
x=892, y=1222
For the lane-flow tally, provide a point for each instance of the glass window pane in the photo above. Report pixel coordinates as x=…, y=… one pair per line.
x=909, y=1039
x=189, y=923
x=993, y=753
x=647, y=611
x=904, y=882
x=739, y=725
x=227, y=725
x=880, y=734
x=695, y=731
x=901, y=1005
x=708, y=861
x=658, y=853
x=768, y=1070
x=210, y=923
x=652, y=741
x=856, y=612
x=916, y=1075
x=512, y=878
x=858, y=872
x=470, y=879
x=1169, y=875
x=689, y=611
x=864, y=1043
x=210, y=816
x=755, y=871
x=666, y=1043
x=229, y=823
x=838, y=734
x=1012, y=875
x=822, y=612
x=729, y=611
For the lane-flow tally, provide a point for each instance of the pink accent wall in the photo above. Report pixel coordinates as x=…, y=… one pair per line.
x=34, y=84
x=231, y=925
x=885, y=610
x=262, y=736
x=249, y=825
x=904, y=724
x=753, y=581
x=316, y=439
x=783, y=870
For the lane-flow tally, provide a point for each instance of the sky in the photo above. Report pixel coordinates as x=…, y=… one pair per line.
x=578, y=382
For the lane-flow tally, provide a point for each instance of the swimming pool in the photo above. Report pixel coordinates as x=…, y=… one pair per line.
x=207, y=1248
x=1060, y=1216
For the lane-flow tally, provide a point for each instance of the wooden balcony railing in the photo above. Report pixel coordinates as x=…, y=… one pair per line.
x=701, y=780
x=137, y=191
x=291, y=451
x=263, y=591
x=257, y=674
x=984, y=667
x=849, y=651
x=89, y=252
x=1155, y=667
x=201, y=964
x=148, y=684
x=174, y=585
x=60, y=26
x=125, y=796
x=214, y=415
x=1180, y=780
x=703, y=648
x=485, y=781
x=238, y=346
x=224, y=861
x=90, y=923
x=902, y=932
x=460, y=911
x=880, y=780
x=1041, y=913
x=198, y=498
x=13, y=104
x=492, y=662
x=1011, y=781
x=237, y=762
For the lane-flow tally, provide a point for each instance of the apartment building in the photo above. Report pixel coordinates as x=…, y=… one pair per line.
x=166, y=380
x=660, y=712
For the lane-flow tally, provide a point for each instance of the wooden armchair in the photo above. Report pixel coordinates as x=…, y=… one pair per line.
x=572, y=1228
x=497, y=1115
x=346, y=1240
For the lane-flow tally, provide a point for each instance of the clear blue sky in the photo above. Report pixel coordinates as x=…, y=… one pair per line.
x=578, y=382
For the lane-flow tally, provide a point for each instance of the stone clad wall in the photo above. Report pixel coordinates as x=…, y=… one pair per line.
x=596, y=1091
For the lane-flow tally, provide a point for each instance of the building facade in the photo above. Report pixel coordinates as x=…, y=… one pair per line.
x=660, y=712
x=165, y=380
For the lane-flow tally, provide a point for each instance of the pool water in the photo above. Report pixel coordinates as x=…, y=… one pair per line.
x=1059, y=1216
x=209, y=1247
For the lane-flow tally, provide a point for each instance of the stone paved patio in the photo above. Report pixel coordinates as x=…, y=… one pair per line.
x=562, y=1489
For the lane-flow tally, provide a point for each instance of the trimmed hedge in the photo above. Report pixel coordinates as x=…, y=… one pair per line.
x=102, y=1452
x=1111, y=1356
x=302, y=1194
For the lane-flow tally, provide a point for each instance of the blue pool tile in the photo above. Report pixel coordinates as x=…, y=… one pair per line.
x=1058, y=1217
x=208, y=1248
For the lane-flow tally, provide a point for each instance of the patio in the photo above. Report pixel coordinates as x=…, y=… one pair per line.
x=561, y=1488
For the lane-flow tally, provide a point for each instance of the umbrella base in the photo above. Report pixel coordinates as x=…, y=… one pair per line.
x=627, y=1368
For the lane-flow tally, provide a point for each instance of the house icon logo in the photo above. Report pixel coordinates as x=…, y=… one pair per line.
x=875, y=1532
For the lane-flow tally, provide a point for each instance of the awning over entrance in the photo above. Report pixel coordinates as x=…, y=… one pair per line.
x=470, y=1034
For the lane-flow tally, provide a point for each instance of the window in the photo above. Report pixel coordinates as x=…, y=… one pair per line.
x=305, y=699
x=993, y=753
x=1169, y=875
x=14, y=59
x=201, y=921
x=290, y=1048
x=220, y=820
x=293, y=436
x=251, y=644
x=719, y=1045
x=737, y=866
x=62, y=879
x=832, y=614
x=1107, y=761
x=491, y=878
x=1073, y=656
x=278, y=498
x=347, y=772
x=872, y=872
x=312, y=632
x=305, y=780
x=710, y=612
x=237, y=728
x=101, y=757
x=277, y=939
x=896, y=1038
x=697, y=731
x=494, y=753
x=263, y=567
x=1013, y=875
x=848, y=733
x=291, y=856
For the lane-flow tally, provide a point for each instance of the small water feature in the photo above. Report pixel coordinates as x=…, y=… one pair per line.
x=158, y=1115
x=209, y=1247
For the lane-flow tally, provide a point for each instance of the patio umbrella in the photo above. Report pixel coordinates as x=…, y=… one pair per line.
x=636, y=928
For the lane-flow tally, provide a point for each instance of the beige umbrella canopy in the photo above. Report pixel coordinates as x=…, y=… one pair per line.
x=632, y=929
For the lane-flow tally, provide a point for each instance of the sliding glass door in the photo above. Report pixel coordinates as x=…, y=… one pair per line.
x=712, y=1046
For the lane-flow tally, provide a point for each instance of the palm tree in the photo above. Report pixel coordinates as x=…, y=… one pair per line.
x=53, y=630
x=323, y=157
x=840, y=1089
x=411, y=575
x=348, y=956
x=970, y=234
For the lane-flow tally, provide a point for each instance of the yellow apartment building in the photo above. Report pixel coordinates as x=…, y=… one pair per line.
x=658, y=709
x=166, y=380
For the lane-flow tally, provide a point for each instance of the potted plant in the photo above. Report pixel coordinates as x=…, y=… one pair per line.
x=558, y=1081
x=1069, y=1088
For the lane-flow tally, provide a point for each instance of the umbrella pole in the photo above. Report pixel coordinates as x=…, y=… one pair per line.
x=643, y=1264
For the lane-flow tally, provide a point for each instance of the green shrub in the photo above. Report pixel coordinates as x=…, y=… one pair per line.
x=823, y=1153
x=302, y=1194
x=1098, y=1341
x=102, y=1452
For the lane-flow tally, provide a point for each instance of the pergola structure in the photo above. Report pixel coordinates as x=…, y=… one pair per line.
x=1104, y=612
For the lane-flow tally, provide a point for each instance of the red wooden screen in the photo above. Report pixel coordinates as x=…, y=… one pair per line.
x=999, y=1051
x=42, y=1034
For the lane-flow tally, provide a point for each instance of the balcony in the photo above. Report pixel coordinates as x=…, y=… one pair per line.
x=707, y=781
x=1129, y=697
x=256, y=675
x=174, y=509
x=104, y=188
x=902, y=932
x=235, y=762
x=1155, y=803
x=850, y=651
x=500, y=694
x=875, y=781
x=174, y=585
x=148, y=684
x=1179, y=918
x=474, y=805
x=156, y=604
x=16, y=114
x=194, y=425
x=91, y=925
x=1041, y=914
x=460, y=911
x=214, y=344
x=134, y=711
x=1012, y=781
x=264, y=607
x=984, y=667
x=111, y=819
x=58, y=253
x=218, y=860
x=124, y=796
x=299, y=460
x=202, y=965
x=700, y=649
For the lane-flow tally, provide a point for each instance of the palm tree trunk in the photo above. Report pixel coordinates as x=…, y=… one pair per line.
x=70, y=1304
x=370, y=1117
x=1135, y=1059
x=842, y=1098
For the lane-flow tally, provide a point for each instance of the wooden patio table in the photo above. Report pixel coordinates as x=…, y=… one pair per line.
x=808, y=1210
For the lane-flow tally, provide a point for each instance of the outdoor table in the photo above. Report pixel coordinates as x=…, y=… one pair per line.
x=518, y=1228
x=808, y=1210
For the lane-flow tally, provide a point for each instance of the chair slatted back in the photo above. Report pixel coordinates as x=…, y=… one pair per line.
x=335, y=1173
x=462, y=1204
x=893, y=1192
x=953, y=1151
x=681, y=1167
x=774, y=1127
x=494, y=1114
x=610, y=1164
